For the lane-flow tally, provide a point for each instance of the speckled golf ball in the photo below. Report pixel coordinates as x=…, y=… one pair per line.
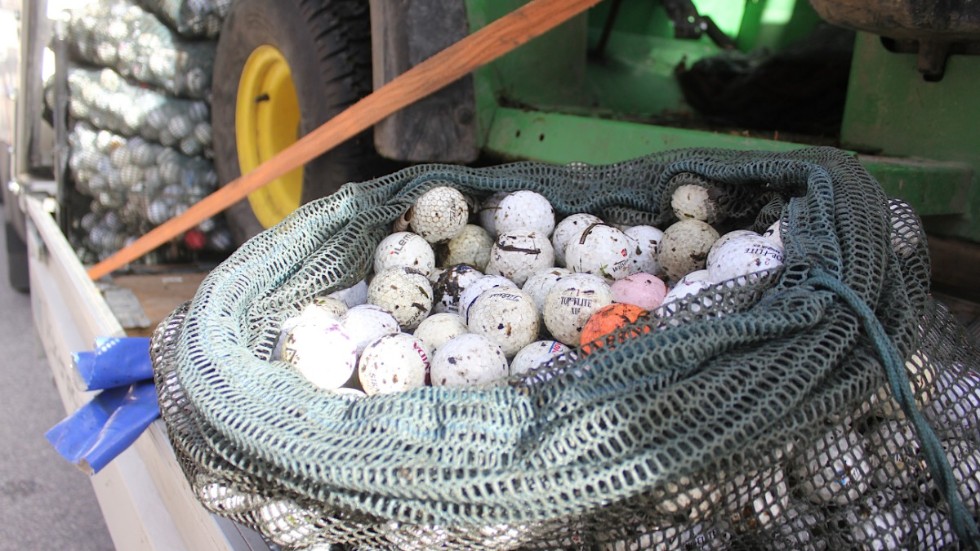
x=468, y=360
x=761, y=498
x=644, y=257
x=517, y=255
x=353, y=295
x=644, y=290
x=333, y=305
x=405, y=294
x=691, y=201
x=877, y=522
x=684, y=247
x=366, y=323
x=743, y=256
x=536, y=355
x=835, y=470
x=437, y=329
x=896, y=453
x=393, y=363
x=929, y=529
x=688, y=499
x=323, y=353
x=964, y=459
x=601, y=250
x=450, y=286
x=524, y=210
x=570, y=304
x=539, y=284
x=439, y=214
x=404, y=249
x=570, y=227
x=488, y=211
x=686, y=288
x=505, y=316
x=476, y=288
x=471, y=246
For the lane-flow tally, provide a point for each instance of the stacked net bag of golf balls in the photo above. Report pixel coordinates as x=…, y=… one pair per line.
x=759, y=406
x=135, y=185
x=190, y=18
x=137, y=45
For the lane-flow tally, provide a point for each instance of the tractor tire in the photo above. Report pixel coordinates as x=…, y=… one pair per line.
x=324, y=46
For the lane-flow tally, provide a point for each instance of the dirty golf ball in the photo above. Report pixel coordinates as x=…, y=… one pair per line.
x=333, y=305
x=468, y=360
x=761, y=499
x=366, y=323
x=488, y=210
x=323, y=353
x=687, y=498
x=404, y=249
x=437, y=329
x=451, y=284
x=644, y=257
x=518, y=255
x=472, y=246
x=571, y=227
x=505, y=316
x=539, y=284
x=743, y=256
x=405, y=294
x=691, y=201
x=606, y=321
x=439, y=214
x=640, y=289
x=835, y=470
x=723, y=240
x=393, y=363
x=601, y=250
x=476, y=288
x=570, y=304
x=535, y=355
x=684, y=247
x=524, y=211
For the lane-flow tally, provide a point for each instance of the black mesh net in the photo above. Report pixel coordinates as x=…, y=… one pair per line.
x=763, y=412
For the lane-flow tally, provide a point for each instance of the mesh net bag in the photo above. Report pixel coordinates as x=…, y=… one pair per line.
x=107, y=101
x=121, y=35
x=190, y=18
x=830, y=404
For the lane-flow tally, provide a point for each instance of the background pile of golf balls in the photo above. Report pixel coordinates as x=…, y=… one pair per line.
x=190, y=18
x=477, y=291
x=140, y=132
x=468, y=292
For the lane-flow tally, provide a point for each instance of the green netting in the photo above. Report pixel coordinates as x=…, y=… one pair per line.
x=760, y=413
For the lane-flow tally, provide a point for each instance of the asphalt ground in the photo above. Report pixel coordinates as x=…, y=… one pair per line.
x=45, y=502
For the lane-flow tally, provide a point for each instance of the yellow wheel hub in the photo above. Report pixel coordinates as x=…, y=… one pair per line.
x=266, y=122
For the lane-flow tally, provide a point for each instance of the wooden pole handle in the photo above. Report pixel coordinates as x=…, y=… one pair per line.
x=487, y=44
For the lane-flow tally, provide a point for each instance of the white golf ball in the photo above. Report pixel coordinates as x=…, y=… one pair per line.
x=688, y=499
x=761, y=499
x=570, y=227
x=437, y=329
x=774, y=234
x=468, y=360
x=393, y=363
x=743, y=256
x=323, y=353
x=517, y=255
x=450, y=286
x=570, y=303
x=723, y=240
x=476, y=288
x=404, y=249
x=644, y=257
x=505, y=316
x=691, y=201
x=524, y=210
x=488, y=212
x=836, y=469
x=472, y=246
x=405, y=294
x=601, y=250
x=684, y=247
x=535, y=355
x=352, y=296
x=366, y=323
x=539, y=284
x=439, y=214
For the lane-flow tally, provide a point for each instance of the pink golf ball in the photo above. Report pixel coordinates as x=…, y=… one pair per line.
x=644, y=290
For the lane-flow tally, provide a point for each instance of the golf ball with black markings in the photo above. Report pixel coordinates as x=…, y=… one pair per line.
x=450, y=286
x=468, y=360
x=393, y=363
x=684, y=247
x=407, y=250
x=570, y=304
x=691, y=201
x=570, y=227
x=439, y=214
x=437, y=329
x=743, y=256
x=472, y=246
x=518, y=255
x=644, y=257
x=601, y=250
x=488, y=211
x=535, y=355
x=476, y=288
x=505, y=316
x=539, y=284
x=524, y=210
x=644, y=290
x=405, y=294
x=368, y=322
